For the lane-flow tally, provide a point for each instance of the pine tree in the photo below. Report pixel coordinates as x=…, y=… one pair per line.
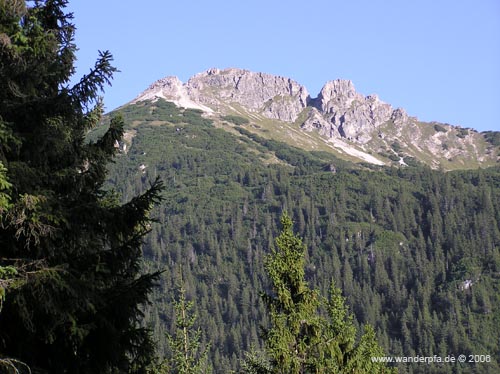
x=301, y=339
x=83, y=314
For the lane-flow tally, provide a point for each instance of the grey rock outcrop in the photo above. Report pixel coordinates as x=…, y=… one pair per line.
x=338, y=111
x=272, y=96
x=337, y=95
x=316, y=122
x=354, y=116
x=168, y=87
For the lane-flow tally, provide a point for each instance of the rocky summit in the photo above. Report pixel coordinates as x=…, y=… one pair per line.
x=339, y=119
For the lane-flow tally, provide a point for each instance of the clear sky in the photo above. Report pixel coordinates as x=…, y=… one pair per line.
x=438, y=59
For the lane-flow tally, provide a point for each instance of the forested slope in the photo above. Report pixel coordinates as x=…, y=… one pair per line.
x=415, y=251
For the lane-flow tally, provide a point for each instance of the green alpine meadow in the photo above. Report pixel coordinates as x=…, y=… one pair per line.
x=234, y=223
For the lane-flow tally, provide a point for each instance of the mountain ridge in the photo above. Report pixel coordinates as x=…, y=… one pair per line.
x=339, y=119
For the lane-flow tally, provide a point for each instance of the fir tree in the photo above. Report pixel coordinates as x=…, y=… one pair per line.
x=81, y=316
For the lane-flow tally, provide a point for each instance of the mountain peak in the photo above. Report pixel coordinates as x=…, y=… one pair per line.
x=274, y=97
x=337, y=91
x=362, y=127
x=339, y=87
x=171, y=89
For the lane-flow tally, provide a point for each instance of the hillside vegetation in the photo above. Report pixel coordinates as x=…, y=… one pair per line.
x=415, y=251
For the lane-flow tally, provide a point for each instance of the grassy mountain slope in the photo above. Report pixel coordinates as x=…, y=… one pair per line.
x=440, y=146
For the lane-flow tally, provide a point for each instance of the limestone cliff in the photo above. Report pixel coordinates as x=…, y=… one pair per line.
x=272, y=96
x=352, y=116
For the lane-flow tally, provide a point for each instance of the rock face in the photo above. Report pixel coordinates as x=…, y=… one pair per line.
x=316, y=122
x=272, y=96
x=338, y=111
x=171, y=89
x=352, y=115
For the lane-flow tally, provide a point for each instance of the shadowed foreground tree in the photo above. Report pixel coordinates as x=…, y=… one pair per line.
x=301, y=339
x=78, y=307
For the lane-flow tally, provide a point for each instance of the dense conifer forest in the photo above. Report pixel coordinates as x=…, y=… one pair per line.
x=415, y=251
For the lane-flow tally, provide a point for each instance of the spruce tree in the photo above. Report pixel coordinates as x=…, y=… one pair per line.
x=83, y=314
x=296, y=328
x=187, y=354
x=301, y=339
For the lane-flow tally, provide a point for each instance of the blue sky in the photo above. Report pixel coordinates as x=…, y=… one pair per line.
x=438, y=59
